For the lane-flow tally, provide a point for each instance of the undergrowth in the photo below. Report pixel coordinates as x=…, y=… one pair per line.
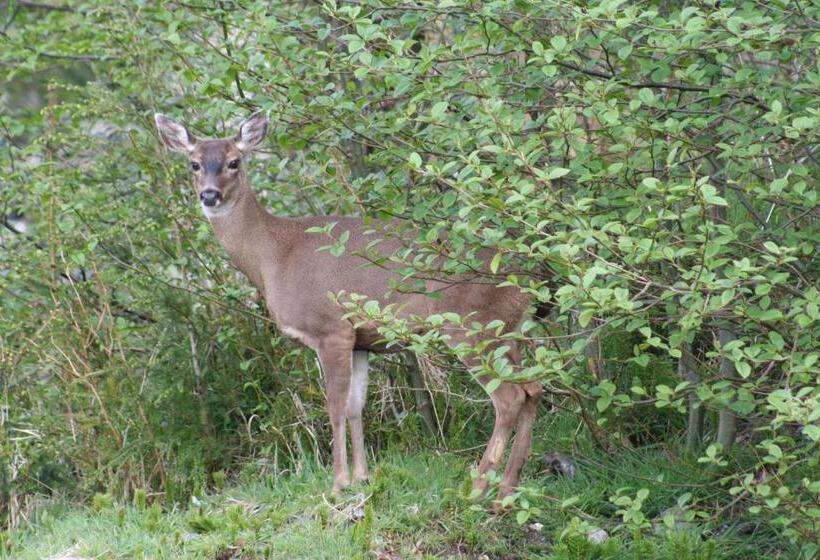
x=416, y=505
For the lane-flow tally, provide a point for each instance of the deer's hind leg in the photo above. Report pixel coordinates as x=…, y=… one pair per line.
x=523, y=437
x=508, y=399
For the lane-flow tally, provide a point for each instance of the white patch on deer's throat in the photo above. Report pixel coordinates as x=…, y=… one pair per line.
x=219, y=210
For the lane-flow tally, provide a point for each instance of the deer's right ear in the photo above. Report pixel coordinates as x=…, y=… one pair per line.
x=174, y=135
x=252, y=131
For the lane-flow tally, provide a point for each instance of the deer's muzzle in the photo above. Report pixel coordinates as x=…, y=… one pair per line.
x=210, y=197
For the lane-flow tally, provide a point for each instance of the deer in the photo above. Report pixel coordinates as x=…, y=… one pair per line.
x=283, y=261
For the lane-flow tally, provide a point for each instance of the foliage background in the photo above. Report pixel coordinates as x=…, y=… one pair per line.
x=646, y=171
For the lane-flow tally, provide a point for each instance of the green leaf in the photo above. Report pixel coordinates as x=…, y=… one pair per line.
x=438, y=110
x=492, y=385
x=414, y=160
x=777, y=186
x=355, y=45
x=647, y=96
x=495, y=262
x=710, y=195
x=585, y=317
x=557, y=172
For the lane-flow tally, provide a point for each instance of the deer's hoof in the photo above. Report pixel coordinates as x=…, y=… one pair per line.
x=360, y=478
x=479, y=491
x=339, y=485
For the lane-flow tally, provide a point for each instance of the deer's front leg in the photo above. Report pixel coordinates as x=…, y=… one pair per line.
x=356, y=397
x=334, y=355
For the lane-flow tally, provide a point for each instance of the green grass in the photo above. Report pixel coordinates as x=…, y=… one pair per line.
x=416, y=506
x=411, y=507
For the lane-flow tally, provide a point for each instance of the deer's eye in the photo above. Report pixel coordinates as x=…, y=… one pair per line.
x=233, y=164
x=195, y=165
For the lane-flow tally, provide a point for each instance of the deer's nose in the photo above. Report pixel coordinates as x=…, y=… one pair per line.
x=210, y=197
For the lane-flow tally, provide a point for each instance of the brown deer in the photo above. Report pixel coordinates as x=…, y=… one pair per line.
x=282, y=261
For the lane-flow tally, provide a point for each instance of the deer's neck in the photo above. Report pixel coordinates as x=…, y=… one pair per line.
x=250, y=235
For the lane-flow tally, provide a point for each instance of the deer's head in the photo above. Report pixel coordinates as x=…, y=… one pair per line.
x=216, y=163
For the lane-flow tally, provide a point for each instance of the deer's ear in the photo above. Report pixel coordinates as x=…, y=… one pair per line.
x=174, y=135
x=252, y=131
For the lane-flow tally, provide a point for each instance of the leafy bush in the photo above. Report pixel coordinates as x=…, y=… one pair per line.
x=647, y=170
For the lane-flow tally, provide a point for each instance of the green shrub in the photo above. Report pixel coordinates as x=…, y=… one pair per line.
x=646, y=170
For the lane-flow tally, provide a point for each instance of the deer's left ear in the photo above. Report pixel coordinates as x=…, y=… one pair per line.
x=252, y=131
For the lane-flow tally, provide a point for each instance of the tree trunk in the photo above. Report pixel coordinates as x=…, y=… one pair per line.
x=687, y=369
x=424, y=404
x=727, y=418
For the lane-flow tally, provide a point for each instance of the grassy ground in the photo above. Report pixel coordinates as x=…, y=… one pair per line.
x=417, y=505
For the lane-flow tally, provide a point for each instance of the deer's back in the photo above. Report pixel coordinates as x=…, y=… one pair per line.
x=300, y=292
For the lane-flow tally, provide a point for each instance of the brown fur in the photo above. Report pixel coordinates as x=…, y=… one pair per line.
x=284, y=263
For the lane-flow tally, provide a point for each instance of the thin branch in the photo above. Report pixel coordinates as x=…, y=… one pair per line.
x=44, y=6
